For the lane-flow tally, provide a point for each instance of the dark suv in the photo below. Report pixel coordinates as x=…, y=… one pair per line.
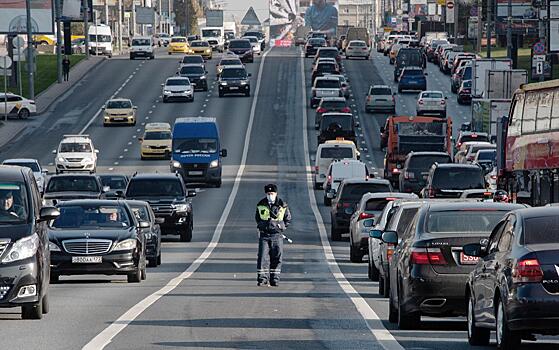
x=24, y=244
x=243, y=49
x=234, y=80
x=413, y=176
x=312, y=45
x=450, y=180
x=169, y=199
x=196, y=73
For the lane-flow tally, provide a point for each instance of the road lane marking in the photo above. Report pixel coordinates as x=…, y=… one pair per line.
x=104, y=338
x=374, y=323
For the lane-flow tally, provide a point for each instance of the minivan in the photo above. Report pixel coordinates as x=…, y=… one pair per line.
x=340, y=170
x=327, y=153
x=100, y=40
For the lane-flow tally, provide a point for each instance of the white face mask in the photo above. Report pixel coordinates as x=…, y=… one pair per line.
x=271, y=197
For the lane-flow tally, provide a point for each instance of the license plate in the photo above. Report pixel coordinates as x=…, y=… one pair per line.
x=233, y=88
x=86, y=259
x=467, y=259
x=118, y=119
x=195, y=173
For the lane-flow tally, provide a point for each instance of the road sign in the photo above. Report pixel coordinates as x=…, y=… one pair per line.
x=5, y=72
x=18, y=42
x=250, y=18
x=541, y=67
x=450, y=4
x=5, y=62
x=539, y=48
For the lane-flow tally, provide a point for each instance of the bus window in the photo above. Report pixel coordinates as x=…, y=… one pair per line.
x=555, y=112
x=516, y=115
x=544, y=111
x=530, y=110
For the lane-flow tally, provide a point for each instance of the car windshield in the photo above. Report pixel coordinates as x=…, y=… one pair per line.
x=235, y=73
x=190, y=146
x=192, y=70
x=380, y=91
x=357, y=44
x=240, y=44
x=178, y=40
x=193, y=59
x=101, y=216
x=141, y=212
x=327, y=84
x=335, y=121
x=376, y=204
x=73, y=184
x=354, y=192
x=13, y=203
x=155, y=188
x=463, y=221
x=425, y=161
x=437, y=95
x=70, y=147
x=157, y=135
x=413, y=72
x=199, y=44
x=211, y=32
x=317, y=42
x=333, y=104
x=328, y=53
x=409, y=58
x=541, y=230
x=326, y=67
x=458, y=178
x=114, y=182
x=487, y=155
x=119, y=104
x=178, y=82
x=99, y=38
x=336, y=152
x=230, y=62
x=141, y=42
x=31, y=165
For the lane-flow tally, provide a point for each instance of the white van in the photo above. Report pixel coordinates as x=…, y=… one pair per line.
x=142, y=46
x=340, y=170
x=100, y=40
x=328, y=152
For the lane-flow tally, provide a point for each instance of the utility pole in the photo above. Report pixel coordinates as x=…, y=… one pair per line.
x=107, y=12
x=187, y=16
x=58, y=14
x=86, y=27
x=489, y=26
x=479, y=25
x=30, y=52
x=509, y=29
x=120, y=26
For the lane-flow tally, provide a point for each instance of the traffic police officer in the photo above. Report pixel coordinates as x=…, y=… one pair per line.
x=272, y=218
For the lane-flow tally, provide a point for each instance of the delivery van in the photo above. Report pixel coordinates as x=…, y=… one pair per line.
x=100, y=40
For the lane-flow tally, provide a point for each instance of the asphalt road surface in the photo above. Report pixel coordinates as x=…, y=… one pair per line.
x=204, y=295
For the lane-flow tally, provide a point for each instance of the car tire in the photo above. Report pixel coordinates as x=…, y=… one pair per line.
x=476, y=336
x=386, y=287
x=165, y=99
x=335, y=235
x=32, y=311
x=136, y=276
x=506, y=338
x=23, y=113
x=218, y=184
x=152, y=262
x=131, y=56
x=247, y=94
x=317, y=186
x=392, y=311
x=169, y=53
x=381, y=282
x=355, y=254
x=220, y=94
x=372, y=271
x=186, y=235
x=54, y=278
x=46, y=305
x=407, y=320
x=143, y=272
x=327, y=201
x=159, y=259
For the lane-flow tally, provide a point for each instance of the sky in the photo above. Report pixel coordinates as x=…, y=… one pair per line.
x=238, y=8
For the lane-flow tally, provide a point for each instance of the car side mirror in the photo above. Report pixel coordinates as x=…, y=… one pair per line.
x=135, y=107
x=191, y=193
x=141, y=139
x=53, y=151
x=377, y=234
x=382, y=129
x=96, y=151
x=357, y=124
x=250, y=74
x=143, y=224
x=330, y=194
x=223, y=153
x=106, y=189
x=162, y=85
x=48, y=213
x=159, y=221
x=390, y=237
x=474, y=249
x=45, y=172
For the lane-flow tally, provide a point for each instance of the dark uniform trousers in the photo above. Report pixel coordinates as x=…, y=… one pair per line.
x=270, y=248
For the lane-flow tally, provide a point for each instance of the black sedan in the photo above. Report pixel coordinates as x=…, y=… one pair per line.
x=97, y=237
x=429, y=270
x=514, y=288
x=196, y=73
x=72, y=186
x=152, y=233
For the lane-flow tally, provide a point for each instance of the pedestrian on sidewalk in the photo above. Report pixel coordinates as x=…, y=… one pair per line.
x=272, y=218
x=66, y=67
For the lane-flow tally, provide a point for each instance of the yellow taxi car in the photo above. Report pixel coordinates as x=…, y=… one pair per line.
x=119, y=111
x=393, y=53
x=178, y=44
x=200, y=47
x=156, y=141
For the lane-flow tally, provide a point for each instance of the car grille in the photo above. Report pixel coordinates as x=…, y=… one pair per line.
x=74, y=159
x=158, y=147
x=195, y=166
x=87, y=246
x=162, y=209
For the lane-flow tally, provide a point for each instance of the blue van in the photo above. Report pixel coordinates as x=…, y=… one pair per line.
x=196, y=150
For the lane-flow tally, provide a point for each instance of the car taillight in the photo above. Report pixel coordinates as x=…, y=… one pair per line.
x=364, y=216
x=425, y=256
x=329, y=179
x=409, y=175
x=431, y=192
x=527, y=271
x=493, y=177
x=420, y=102
x=346, y=110
x=470, y=158
x=395, y=171
x=389, y=251
x=443, y=102
x=321, y=110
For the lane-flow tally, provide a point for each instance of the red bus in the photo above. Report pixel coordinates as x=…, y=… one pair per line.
x=531, y=153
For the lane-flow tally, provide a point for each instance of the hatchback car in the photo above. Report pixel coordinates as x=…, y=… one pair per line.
x=325, y=87
x=429, y=268
x=156, y=141
x=202, y=48
x=243, y=49
x=196, y=73
x=234, y=80
x=177, y=88
x=431, y=102
x=357, y=48
x=340, y=170
x=75, y=153
x=514, y=288
x=450, y=180
x=412, y=78
x=178, y=44
x=415, y=171
x=328, y=105
x=380, y=98
x=17, y=106
x=119, y=111
x=337, y=125
x=347, y=197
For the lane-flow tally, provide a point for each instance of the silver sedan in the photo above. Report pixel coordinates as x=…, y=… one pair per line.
x=380, y=98
x=431, y=102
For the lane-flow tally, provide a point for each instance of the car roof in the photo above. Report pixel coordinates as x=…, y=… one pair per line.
x=11, y=173
x=397, y=195
x=327, y=77
x=480, y=143
x=141, y=37
x=333, y=98
x=534, y=212
x=230, y=58
x=235, y=66
x=111, y=175
x=178, y=36
x=471, y=205
x=72, y=175
x=193, y=56
x=75, y=138
x=153, y=126
x=413, y=68
x=108, y=202
x=328, y=114
x=200, y=41
x=117, y=99
x=457, y=165
x=338, y=143
x=427, y=153
x=357, y=41
x=21, y=160
x=380, y=87
x=359, y=180
x=431, y=91
x=135, y=202
x=192, y=65
x=468, y=133
x=155, y=176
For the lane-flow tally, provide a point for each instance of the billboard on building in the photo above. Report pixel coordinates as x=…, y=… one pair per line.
x=284, y=19
x=214, y=18
x=524, y=17
x=13, y=17
x=322, y=16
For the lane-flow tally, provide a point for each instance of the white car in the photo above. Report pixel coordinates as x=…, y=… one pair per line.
x=177, y=88
x=256, y=45
x=142, y=46
x=338, y=171
x=357, y=48
x=75, y=153
x=328, y=152
x=39, y=173
x=163, y=39
x=18, y=106
x=431, y=102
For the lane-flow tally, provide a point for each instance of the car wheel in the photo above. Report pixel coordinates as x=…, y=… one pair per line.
x=506, y=339
x=327, y=201
x=392, y=312
x=32, y=311
x=186, y=235
x=152, y=262
x=407, y=320
x=373, y=272
x=54, y=278
x=165, y=99
x=159, y=259
x=355, y=254
x=131, y=56
x=45, y=302
x=169, y=53
x=217, y=184
x=143, y=272
x=386, y=286
x=476, y=336
x=335, y=235
x=220, y=94
x=317, y=186
x=247, y=94
x=381, y=282
x=23, y=113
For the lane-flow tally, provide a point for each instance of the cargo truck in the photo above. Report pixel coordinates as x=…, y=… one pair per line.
x=485, y=113
x=480, y=66
x=503, y=83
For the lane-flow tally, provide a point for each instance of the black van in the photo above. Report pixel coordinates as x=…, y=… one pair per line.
x=337, y=125
x=24, y=244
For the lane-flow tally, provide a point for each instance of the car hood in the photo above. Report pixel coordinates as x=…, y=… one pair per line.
x=76, y=154
x=191, y=75
x=176, y=87
x=14, y=231
x=113, y=234
x=119, y=111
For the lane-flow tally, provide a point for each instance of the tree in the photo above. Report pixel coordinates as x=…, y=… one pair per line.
x=194, y=12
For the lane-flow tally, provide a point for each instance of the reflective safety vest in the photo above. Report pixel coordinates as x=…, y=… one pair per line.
x=264, y=213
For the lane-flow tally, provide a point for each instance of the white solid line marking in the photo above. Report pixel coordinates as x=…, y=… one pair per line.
x=104, y=338
x=116, y=163
x=126, y=150
x=383, y=336
x=111, y=169
x=129, y=142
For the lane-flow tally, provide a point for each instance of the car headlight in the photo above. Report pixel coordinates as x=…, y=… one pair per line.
x=224, y=83
x=53, y=247
x=61, y=159
x=22, y=249
x=244, y=82
x=149, y=235
x=87, y=160
x=176, y=164
x=208, y=50
x=166, y=92
x=181, y=208
x=127, y=244
x=214, y=163
x=203, y=77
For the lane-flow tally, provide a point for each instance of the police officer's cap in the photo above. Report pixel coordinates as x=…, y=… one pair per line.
x=270, y=188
